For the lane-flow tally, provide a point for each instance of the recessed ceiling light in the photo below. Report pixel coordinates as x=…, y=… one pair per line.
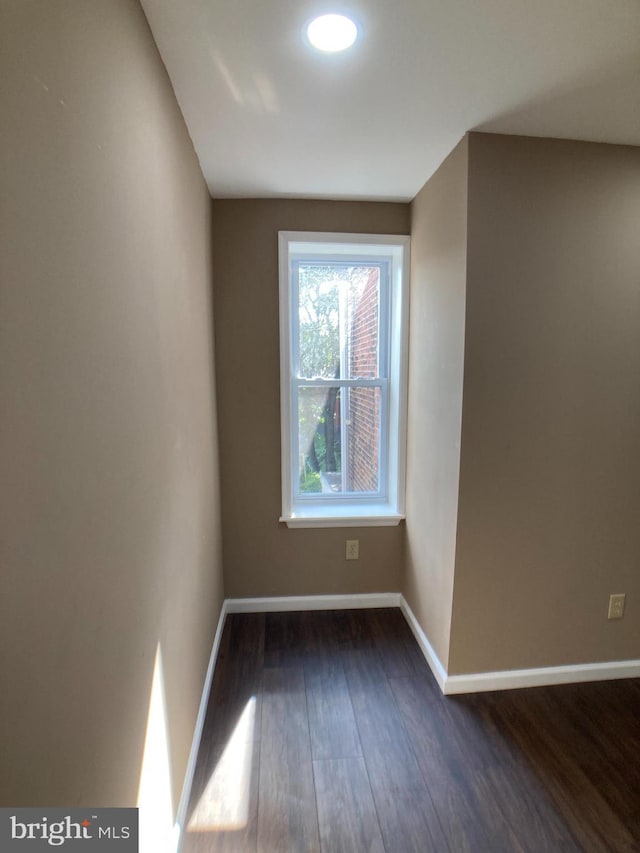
x=332, y=33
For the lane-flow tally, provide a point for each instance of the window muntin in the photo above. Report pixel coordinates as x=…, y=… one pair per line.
x=343, y=359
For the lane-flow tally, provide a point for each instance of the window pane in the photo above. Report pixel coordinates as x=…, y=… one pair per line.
x=338, y=310
x=339, y=440
x=319, y=434
x=363, y=440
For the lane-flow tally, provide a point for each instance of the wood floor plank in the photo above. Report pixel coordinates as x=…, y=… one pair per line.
x=324, y=634
x=595, y=825
x=222, y=814
x=225, y=817
x=361, y=635
x=236, y=684
x=287, y=816
x=395, y=643
x=505, y=776
x=346, y=812
x=407, y=818
x=332, y=725
x=292, y=637
x=238, y=670
x=347, y=629
x=581, y=710
x=470, y=821
x=284, y=640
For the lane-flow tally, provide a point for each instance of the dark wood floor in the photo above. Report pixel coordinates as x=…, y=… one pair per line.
x=326, y=731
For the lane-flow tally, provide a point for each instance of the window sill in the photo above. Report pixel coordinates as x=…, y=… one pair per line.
x=372, y=516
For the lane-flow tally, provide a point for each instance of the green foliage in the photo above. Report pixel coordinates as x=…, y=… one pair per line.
x=320, y=446
x=310, y=482
x=327, y=296
x=319, y=317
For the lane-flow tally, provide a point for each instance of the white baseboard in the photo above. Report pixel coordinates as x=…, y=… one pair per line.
x=439, y=672
x=545, y=676
x=279, y=604
x=511, y=679
x=181, y=815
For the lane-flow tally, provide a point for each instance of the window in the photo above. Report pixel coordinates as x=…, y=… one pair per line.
x=343, y=348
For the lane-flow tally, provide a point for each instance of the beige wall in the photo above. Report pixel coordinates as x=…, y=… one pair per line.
x=438, y=277
x=262, y=556
x=110, y=538
x=549, y=495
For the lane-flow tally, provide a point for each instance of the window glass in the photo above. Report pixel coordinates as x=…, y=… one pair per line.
x=338, y=315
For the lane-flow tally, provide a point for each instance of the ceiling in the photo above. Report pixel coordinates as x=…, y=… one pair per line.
x=271, y=117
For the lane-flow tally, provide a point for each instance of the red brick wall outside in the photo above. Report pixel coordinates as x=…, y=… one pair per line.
x=364, y=403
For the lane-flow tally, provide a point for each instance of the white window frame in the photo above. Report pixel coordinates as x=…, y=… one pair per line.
x=340, y=510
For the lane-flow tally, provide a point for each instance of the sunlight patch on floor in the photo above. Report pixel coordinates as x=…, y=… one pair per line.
x=224, y=804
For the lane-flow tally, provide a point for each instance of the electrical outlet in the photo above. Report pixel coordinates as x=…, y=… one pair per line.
x=353, y=549
x=616, y=606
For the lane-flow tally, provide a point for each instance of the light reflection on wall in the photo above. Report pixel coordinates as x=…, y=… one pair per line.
x=155, y=801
